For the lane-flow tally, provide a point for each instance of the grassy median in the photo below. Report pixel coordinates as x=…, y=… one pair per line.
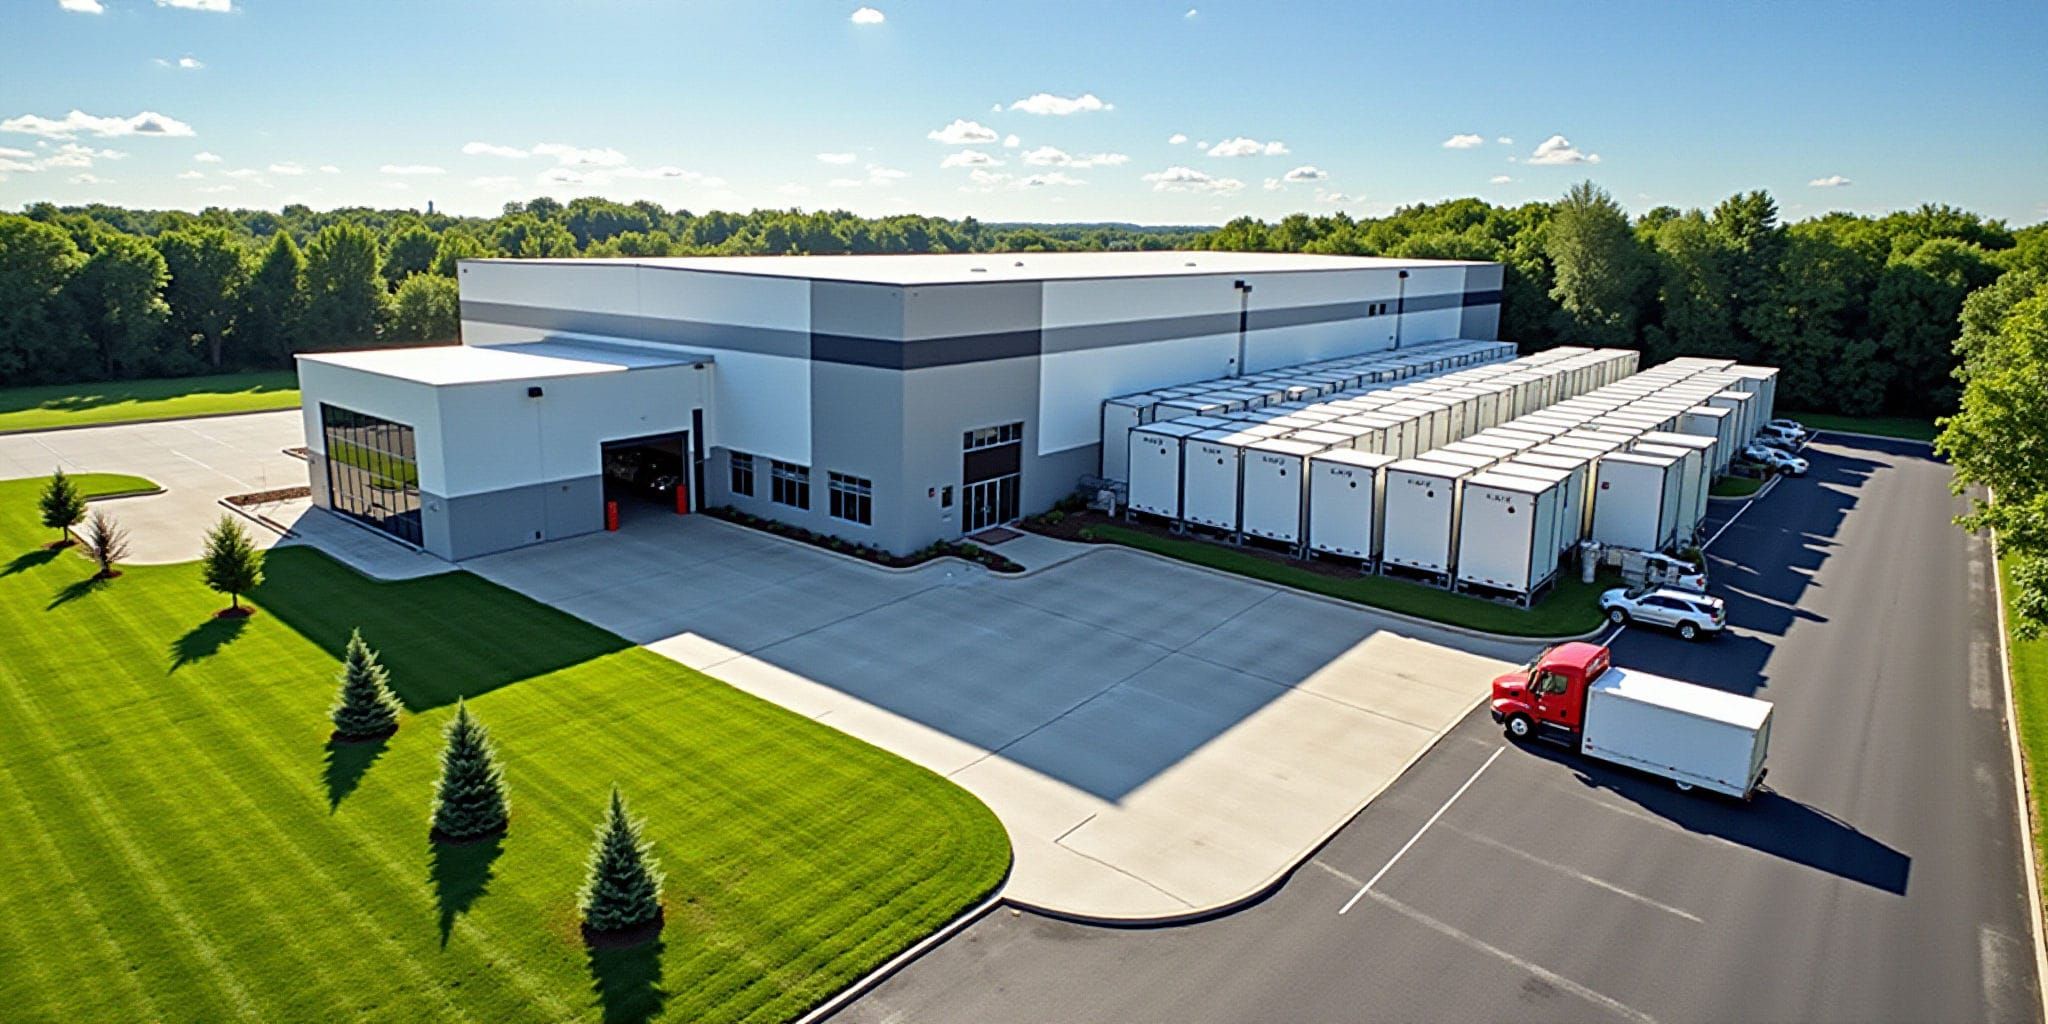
x=1570, y=608
x=1736, y=486
x=2030, y=700
x=183, y=843
x=121, y=401
x=1906, y=427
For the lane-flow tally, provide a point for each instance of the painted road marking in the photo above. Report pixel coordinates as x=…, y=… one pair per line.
x=1609, y=1003
x=1348, y=904
x=1564, y=869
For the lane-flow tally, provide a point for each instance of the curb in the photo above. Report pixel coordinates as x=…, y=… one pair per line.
x=117, y=495
x=862, y=562
x=1770, y=484
x=866, y=983
x=283, y=532
x=2019, y=775
x=151, y=419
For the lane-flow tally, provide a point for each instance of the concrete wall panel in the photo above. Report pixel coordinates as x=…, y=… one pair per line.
x=1072, y=385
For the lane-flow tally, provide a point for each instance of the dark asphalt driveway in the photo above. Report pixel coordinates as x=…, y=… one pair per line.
x=1879, y=878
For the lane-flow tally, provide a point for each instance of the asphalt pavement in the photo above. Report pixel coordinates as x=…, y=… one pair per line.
x=1879, y=877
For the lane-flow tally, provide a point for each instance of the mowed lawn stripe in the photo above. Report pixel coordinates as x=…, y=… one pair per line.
x=177, y=771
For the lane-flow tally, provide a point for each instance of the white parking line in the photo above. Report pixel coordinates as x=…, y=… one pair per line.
x=1566, y=869
x=1556, y=980
x=1348, y=904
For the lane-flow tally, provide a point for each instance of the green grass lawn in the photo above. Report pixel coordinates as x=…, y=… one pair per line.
x=2030, y=700
x=1884, y=426
x=71, y=405
x=1736, y=486
x=182, y=844
x=1570, y=608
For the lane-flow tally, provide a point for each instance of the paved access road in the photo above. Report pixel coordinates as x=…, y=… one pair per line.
x=1880, y=879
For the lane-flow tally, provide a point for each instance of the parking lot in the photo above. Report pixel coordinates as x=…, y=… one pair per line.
x=1879, y=878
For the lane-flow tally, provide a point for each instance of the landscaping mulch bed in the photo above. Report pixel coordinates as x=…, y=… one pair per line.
x=267, y=497
x=971, y=552
x=235, y=613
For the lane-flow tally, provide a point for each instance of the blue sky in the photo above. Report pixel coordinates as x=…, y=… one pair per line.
x=1069, y=110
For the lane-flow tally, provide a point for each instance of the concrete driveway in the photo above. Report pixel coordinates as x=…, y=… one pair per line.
x=1159, y=740
x=198, y=462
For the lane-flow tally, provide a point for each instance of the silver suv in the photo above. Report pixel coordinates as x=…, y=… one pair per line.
x=1692, y=615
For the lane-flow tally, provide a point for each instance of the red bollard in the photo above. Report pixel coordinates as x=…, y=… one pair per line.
x=682, y=498
x=611, y=516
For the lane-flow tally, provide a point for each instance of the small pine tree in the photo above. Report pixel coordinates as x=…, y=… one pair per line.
x=62, y=506
x=366, y=706
x=471, y=800
x=624, y=888
x=106, y=541
x=231, y=564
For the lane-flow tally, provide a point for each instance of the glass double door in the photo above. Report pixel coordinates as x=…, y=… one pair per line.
x=990, y=502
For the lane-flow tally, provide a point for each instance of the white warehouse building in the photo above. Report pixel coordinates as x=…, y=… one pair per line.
x=889, y=400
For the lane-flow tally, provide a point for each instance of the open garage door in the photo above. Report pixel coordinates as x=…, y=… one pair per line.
x=646, y=475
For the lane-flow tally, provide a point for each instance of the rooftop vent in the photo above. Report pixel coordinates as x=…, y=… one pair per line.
x=978, y=270
x=1189, y=263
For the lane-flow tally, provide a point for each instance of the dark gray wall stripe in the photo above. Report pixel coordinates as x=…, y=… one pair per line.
x=919, y=355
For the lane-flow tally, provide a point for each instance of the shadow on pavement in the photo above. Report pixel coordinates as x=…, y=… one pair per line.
x=461, y=875
x=628, y=982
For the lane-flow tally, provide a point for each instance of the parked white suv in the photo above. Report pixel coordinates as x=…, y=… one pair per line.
x=1775, y=459
x=1779, y=437
x=1793, y=427
x=1692, y=615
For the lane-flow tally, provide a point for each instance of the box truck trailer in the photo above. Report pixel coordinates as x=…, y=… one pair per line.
x=1717, y=423
x=1507, y=534
x=1708, y=449
x=1346, y=491
x=1693, y=735
x=1694, y=478
x=1274, y=488
x=1419, y=532
x=1635, y=500
x=1578, y=497
x=1155, y=461
x=1209, y=465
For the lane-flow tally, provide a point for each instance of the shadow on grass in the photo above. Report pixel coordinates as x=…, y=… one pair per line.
x=347, y=763
x=461, y=875
x=628, y=982
x=75, y=590
x=206, y=639
x=28, y=560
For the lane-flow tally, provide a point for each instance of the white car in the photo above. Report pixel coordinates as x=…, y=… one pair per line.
x=1691, y=615
x=1793, y=427
x=1776, y=460
x=1779, y=437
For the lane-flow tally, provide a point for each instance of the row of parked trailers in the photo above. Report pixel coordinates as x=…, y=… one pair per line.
x=1426, y=483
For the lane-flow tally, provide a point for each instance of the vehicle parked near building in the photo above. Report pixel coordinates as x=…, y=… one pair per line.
x=1779, y=438
x=1789, y=426
x=1694, y=735
x=1775, y=459
x=1688, y=614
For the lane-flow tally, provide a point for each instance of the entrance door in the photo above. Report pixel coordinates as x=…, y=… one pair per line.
x=991, y=472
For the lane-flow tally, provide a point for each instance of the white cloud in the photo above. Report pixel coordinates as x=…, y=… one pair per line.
x=407, y=169
x=207, y=158
x=1048, y=156
x=1273, y=185
x=963, y=132
x=662, y=173
x=1176, y=139
x=87, y=179
x=245, y=173
x=210, y=6
x=1012, y=141
x=191, y=175
x=1831, y=181
x=868, y=16
x=991, y=181
x=329, y=169
x=1499, y=179
x=1466, y=141
x=215, y=189
x=182, y=63
x=1049, y=178
x=1337, y=198
x=1505, y=141
x=1191, y=13
x=1559, y=150
x=571, y=156
x=291, y=170
x=1242, y=146
x=882, y=175
x=837, y=158
x=1306, y=172
x=82, y=6
x=148, y=122
x=969, y=158
x=491, y=149
x=1187, y=179
x=71, y=154
x=560, y=176
x=1060, y=106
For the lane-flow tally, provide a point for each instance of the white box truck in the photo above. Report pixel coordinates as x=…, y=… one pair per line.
x=1275, y=485
x=1209, y=465
x=1345, y=503
x=1507, y=533
x=1155, y=464
x=1635, y=500
x=1420, y=527
x=1693, y=480
x=1694, y=735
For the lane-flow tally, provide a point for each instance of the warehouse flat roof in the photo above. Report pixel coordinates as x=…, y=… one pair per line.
x=967, y=268
x=440, y=365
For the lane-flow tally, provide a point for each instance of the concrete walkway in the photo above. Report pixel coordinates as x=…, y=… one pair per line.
x=198, y=462
x=1159, y=741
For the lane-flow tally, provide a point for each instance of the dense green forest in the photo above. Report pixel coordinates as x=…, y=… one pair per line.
x=1861, y=312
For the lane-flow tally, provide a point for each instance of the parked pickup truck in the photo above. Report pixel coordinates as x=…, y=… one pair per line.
x=1693, y=735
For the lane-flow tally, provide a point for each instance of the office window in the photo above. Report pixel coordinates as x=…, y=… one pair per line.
x=851, y=498
x=789, y=484
x=372, y=474
x=990, y=437
x=743, y=474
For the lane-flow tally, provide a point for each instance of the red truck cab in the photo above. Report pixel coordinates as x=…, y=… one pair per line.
x=1547, y=697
